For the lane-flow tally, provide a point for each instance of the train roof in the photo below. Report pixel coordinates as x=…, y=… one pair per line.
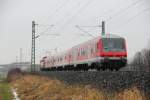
x=94, y=39
x=110, y=36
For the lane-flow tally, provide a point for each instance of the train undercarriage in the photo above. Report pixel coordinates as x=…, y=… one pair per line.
x=113, y=65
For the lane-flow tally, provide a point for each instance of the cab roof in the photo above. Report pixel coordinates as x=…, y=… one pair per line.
x=110, y=36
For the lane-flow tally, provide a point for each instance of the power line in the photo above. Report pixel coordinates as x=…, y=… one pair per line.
x=44, y=25
x=57, y=10
x=96, y=26
x=42, y=33
x=84, y=31
x=102, y=26
x=64, y=17
x=122, y=10
x=132, y=18
x=56, y=5
x=77, y=12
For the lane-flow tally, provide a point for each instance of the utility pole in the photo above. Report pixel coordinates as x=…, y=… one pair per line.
x=34, y=37
x=33, y=48
x=16, y=61
x=20, y=57
x=103, y=27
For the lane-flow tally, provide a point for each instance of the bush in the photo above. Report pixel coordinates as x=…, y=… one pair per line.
x=13, y=74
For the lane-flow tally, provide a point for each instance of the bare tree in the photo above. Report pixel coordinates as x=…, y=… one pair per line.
x=141, y=60
x=137, y=63
x=146, y=58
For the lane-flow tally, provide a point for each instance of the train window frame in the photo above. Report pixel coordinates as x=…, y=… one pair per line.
x=121, y=47
x=78, y=53
x=92, y=50
x=60, y=58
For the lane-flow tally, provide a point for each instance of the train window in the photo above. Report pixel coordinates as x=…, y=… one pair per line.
x=113, y=44
x=70, y=56
x=83, y=52
x=92, y=50
x=78, y=54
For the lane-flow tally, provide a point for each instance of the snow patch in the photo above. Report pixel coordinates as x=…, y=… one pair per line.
x=15, y=94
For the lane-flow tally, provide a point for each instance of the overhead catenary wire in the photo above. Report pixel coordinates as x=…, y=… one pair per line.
x=51, y=16
x=42, y=33
x=133, y=17
x=96, y=26
x=129, y=6
x=76, y=13
x=68, y=13
x=88, y=28
x=57, y=10
x=56, y=5
x=84, y=31
x=44, y=25
x=123, y=10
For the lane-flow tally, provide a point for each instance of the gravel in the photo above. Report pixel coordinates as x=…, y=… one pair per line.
x=107, y=80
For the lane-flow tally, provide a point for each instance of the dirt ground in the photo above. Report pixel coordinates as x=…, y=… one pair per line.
x=34, y=87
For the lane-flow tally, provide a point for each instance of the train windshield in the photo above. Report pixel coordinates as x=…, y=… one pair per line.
x=113, y=44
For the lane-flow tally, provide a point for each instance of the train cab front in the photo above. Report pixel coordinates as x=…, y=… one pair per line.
x=113, y=52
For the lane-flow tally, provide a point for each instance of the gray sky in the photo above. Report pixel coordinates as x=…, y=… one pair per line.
x=127, y=18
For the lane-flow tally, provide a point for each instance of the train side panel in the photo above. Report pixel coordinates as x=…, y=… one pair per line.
x=91, y=53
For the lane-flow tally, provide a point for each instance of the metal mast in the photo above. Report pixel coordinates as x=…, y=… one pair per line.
x=20, y=57
x=33, y=48
x=103, y=27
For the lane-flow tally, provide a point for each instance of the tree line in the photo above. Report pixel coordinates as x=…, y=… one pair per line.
x=141, y=60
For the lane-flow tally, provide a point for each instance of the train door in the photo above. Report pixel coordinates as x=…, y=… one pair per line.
x=69, y=58
x=74, y=55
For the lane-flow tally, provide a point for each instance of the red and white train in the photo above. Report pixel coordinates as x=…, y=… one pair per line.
x=101, y=53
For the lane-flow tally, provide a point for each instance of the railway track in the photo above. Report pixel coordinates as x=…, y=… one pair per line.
x=108, y=80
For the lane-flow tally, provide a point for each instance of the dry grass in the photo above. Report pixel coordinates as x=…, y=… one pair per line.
x=31, y=87
x=131, y=94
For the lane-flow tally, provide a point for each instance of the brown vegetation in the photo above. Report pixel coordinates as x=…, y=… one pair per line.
x=130, y=94
x=32, y=87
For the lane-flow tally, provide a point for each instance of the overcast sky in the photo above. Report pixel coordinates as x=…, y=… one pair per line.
x=127, y=18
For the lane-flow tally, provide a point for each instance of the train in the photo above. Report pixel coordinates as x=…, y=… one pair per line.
x=106, y=52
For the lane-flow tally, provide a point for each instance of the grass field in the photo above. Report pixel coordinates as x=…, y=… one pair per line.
x=32, y=87
x=5, y=91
